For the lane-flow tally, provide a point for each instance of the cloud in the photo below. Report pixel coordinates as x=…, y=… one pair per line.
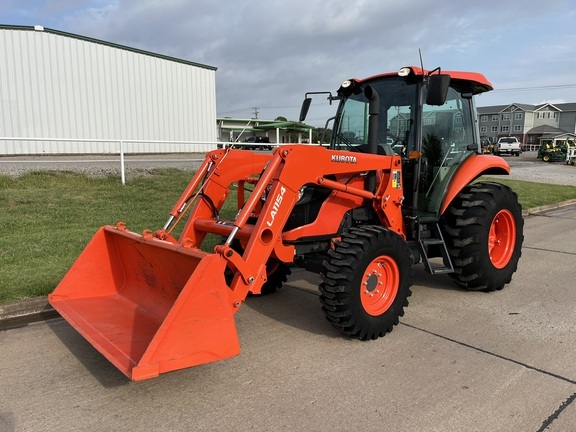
x=269, y=53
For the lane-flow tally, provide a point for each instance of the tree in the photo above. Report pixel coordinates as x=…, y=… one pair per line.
x=317, y=134
x=432, y=151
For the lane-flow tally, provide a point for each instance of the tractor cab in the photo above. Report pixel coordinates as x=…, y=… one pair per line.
x=426, y=118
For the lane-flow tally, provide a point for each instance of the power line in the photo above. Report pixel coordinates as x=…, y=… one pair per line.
x=237, y=110
x=268, y=108
x=550, y=87
x=256, y=111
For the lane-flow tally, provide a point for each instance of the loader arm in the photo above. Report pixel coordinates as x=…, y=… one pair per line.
x=261, y=226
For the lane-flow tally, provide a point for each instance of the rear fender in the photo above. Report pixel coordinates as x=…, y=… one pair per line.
x=474, y=167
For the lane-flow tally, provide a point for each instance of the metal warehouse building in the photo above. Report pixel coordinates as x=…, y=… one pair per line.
x=64, y=93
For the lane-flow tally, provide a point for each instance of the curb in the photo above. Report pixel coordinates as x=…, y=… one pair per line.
x=541, y=209
x=24, y=307
x=20, y=313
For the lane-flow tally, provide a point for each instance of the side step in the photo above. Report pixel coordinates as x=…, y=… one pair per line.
x=434, y=239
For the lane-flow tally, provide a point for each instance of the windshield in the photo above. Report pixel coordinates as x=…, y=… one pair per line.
x=396, y=122
x=449, y=124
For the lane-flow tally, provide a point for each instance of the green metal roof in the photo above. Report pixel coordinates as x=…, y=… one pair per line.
x=287, y=125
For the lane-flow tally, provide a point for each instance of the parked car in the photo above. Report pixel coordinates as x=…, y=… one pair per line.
x=257, y=139
x=250, y=143
x=507, y=145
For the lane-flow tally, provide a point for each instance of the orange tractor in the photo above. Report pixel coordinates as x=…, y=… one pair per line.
x=394, y=188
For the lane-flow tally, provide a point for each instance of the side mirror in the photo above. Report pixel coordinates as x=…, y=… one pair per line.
x=305, y=107
x=438, y=86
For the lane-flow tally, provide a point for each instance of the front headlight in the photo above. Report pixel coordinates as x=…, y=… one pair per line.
x=405, y=71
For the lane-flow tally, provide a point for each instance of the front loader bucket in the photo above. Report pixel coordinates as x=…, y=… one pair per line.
x=147, y=305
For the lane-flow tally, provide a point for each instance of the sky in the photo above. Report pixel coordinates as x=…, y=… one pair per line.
x=269, y=53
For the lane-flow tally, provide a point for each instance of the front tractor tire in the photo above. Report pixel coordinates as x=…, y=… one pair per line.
x=366, y=282
x=277, y=272
x=483, y=230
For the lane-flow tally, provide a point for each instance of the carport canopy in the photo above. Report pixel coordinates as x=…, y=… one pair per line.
x=258, y=125
x=288, y=126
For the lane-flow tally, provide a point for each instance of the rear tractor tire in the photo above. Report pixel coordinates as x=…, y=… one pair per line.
x=366, y=282
x=483, y=230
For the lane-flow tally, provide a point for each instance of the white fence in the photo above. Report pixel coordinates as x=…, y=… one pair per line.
x=530, y=147
x=35, y=146
x=19, y=146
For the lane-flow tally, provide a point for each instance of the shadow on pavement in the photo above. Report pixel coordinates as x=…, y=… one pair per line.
x=296, y=308
x=439, y=281
x=296, y=305
x=94, y=362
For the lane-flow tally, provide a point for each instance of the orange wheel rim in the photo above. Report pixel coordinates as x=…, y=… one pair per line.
x=379, y=285
x=501, y=239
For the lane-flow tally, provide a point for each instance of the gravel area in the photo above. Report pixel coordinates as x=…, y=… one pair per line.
x=525, y=167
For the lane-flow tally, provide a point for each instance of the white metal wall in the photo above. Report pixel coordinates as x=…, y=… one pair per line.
x=61, y=86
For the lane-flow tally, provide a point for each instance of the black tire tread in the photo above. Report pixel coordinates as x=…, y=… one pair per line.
x=466, y=224
x=343, y=271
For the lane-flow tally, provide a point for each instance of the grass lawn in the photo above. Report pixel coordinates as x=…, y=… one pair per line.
x=533, y=195
x=48, y=217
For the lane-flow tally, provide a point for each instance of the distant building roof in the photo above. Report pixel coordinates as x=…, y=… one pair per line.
x=525, y=107
x=566, y=106
x=546, y=129
x=496, y=109
x=548, y=105
x=564, y=135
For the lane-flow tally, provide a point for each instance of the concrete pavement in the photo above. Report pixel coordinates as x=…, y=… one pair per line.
x=458, y=361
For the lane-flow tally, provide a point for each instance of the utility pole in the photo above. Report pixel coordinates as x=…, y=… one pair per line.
x=255, y=112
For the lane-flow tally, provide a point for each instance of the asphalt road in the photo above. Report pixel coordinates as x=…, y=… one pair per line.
x=458, y=361
x=525, y=167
